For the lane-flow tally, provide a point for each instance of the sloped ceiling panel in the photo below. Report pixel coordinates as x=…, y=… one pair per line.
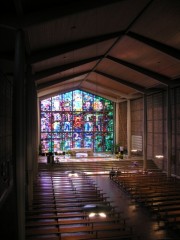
x=124, y=47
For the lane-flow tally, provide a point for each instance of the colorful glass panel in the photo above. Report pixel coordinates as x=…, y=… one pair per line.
x=78, y=122
x=76, y=119
x=46, y=105
x=77, y=100
x=56, y=103
x=45, y=122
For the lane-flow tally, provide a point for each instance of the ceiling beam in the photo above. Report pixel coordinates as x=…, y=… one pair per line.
x=164, y=80
x=122, y=35
x=99, y=94
x=110, y=90
x=57, y=11
x=52, y=92
x=124, y=82
x=173, y=52
x=72, y=46
x=57, y=81
x=59, y=69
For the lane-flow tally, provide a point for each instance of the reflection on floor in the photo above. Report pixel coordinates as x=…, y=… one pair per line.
x=139, y=218
x=143, y=223
x=81, y=158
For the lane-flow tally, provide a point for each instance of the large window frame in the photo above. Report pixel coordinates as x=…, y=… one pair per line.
x=76, y=119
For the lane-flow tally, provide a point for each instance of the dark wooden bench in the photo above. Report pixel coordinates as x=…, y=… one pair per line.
x=85, y=221
x=57, y=210
x=91, y=229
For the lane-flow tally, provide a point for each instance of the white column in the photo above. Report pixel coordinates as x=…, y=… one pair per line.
x=129, y=127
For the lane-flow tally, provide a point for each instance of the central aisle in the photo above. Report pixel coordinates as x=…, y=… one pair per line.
x=138, y=218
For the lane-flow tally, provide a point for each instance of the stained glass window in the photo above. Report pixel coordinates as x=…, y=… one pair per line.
x=77, y=119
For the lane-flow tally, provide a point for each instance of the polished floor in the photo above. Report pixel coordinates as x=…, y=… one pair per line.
x=143, y=223
x=139, y=218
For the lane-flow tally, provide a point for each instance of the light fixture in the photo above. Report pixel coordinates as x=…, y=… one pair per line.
x=102, y=214
x=92, y=214
x=159, y=156
x=99, y=210
x=72, y=173
x=134, y=150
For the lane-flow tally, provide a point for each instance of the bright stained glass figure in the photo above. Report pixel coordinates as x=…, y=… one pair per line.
x=46, y=105
x=77, y=119
x=77, y=100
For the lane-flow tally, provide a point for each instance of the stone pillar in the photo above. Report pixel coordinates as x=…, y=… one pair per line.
x=32, y=161
x=19, y=130
x=36, y=130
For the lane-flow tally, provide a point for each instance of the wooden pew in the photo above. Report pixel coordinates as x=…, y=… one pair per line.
x=57, y=211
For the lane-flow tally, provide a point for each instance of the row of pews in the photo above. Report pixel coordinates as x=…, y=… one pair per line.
x=96, y=167
x=158, y=193
x=58, y=212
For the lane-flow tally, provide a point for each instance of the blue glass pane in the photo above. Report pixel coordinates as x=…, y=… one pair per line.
x=67, y=136
x=77, y=100
x=88, y=126
x=67, y=126
x=87, y=101
x=65, y=102
x=77, y=140
x=88, y=143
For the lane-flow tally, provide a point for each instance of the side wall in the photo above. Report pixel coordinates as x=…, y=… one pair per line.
x=8, y=203
x=156, y=127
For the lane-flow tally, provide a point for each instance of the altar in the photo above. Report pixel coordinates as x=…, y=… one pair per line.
x=89, y=151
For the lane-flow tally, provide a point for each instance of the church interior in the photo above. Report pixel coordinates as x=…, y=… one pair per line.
x=90, y=120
